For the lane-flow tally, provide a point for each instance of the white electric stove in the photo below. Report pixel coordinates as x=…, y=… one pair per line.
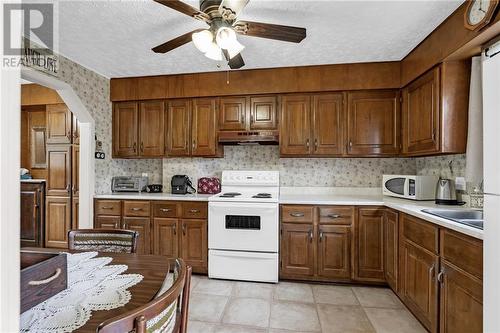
x=243, y=227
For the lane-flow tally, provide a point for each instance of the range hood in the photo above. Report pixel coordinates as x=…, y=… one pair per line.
x=249, y=137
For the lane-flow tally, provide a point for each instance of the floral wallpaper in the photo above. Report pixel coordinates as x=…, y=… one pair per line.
x=440, y=166
x=93, y=90
x=328, y=172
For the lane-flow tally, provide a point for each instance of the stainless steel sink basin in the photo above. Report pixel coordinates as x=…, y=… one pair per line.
x=470, y=217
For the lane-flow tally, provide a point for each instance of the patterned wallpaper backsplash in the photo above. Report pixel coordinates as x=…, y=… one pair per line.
x=338, y=172
x=93, y=91
x=439, y=166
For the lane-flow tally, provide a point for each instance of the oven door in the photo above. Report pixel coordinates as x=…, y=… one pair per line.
x=243, y=226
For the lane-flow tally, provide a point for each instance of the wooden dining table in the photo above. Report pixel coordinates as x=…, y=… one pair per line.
x=153, y=268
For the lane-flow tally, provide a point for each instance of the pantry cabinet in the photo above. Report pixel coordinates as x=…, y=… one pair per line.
x=59, y=170
x=373, y=123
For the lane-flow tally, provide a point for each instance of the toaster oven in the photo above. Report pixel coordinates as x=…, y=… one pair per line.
x=129, y=184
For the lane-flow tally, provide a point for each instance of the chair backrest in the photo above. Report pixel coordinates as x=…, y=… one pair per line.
x=103, y=240
x=167, y=312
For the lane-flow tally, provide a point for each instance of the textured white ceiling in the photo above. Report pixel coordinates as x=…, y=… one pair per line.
x=114, y=38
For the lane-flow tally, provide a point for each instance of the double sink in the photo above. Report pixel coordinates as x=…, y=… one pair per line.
x=470, y=217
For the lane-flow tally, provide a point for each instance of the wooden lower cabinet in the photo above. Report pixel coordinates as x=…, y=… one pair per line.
x=165, y=238
x=107, y=222
x=334, y=252
x=57, y=221
x=391, y=240
x=32, y=214
x=418, y=283
x=194, y=244
x=297, y=250
x=369, y=245
x=461, y=308
x=143, y=226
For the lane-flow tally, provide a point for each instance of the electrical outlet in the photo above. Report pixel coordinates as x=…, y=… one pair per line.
x=144, y=174
x=460, y=184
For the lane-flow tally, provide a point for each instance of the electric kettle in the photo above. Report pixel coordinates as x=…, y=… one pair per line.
x=445, y=192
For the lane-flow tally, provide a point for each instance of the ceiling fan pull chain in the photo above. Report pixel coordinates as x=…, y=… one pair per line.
x=227, y=77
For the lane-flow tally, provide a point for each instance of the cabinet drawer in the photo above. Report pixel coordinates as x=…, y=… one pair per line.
x=421, y=233
x=108, y=207
x=136, y=208
x=336, y=215
x=462, y=251
x=297, y=213
x=194, y=210
x=165, y=209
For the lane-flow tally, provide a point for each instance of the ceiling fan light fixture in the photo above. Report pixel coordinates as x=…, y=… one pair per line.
x=203, y=40
x=225, y=37
x=235, y=49
x=214, y=52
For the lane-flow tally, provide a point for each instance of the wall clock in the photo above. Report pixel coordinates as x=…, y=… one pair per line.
x=479, y=13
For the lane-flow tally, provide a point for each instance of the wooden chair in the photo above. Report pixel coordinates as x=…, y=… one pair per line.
x=103, y=240
x=166, y=313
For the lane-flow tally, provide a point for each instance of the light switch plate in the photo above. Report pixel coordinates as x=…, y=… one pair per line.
x=460, y=184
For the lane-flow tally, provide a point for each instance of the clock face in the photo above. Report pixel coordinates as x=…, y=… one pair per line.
x=478, y=11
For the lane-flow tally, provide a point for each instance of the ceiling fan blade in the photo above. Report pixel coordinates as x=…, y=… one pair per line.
x=175, y=43
x=185, y=9
x=270, y=31
x=236, y=62
x=229, y=9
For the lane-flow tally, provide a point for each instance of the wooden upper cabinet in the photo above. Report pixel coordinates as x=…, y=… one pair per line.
x=152, y=128
x=263, y=113
x=59, y=170
x=421, y=114
x=297, y=250
x=327, y=117
x=233, y=114
x=178, y=127
x=369, y=245
x=59, y=120
x=204, y=127
x=125, y=129
x=373, y=123
x=435, y=110
x=295, y=122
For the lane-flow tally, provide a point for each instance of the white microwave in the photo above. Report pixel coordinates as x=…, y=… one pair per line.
x=410, y=186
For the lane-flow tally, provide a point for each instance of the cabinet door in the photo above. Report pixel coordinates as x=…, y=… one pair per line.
x=107, y=222
x=233, y=114
x=75, y=173
x=125, y=129
x=165, y=238
x=391, y=248
x=418, y=283
x=143, y=227
x=31, y=219
x=58, y=124
x=295, y=123
x=297, y=250
x=57, y=221
x=373, y=123
x=334, y=252
x=152, y=128
x=461, y=308
x=369, y=245
x=263, y=113
x=178, y=128
x=327, y=114
x=194, y=244
x=76, y=131
x=75, y=206
x=204, y=127
x=421, y=100
x=59, y=170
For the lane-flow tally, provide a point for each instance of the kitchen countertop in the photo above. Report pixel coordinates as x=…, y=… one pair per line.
x=153, y=196
x=32, y=180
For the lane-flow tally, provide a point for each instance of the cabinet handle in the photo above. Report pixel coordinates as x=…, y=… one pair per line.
x=307, y=143
x=68, y=135
x=315, y=144
x=184, y=229
x=350, y=143
x=297, y=214
x=142, y=147
x=107, y=207
x=47, y=280
x=332, y=216
x=135, y=209
x=68, y=189
x=320, y=235
x=175, y=229
x=135, y=147
x=432, y=270
x=440, y=277
x=194, y=144
x=194, y=210
x=165, y=210
x=310, y=235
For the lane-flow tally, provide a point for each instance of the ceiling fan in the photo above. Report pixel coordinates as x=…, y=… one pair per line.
x=219, y=40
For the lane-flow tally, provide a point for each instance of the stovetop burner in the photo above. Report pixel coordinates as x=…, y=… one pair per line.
x=262, y=196
x=229, y=195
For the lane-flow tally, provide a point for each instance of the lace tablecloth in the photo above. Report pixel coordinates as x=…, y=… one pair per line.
x=92, y=285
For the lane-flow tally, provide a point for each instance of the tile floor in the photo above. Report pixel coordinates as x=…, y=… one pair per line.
x=219, y=306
